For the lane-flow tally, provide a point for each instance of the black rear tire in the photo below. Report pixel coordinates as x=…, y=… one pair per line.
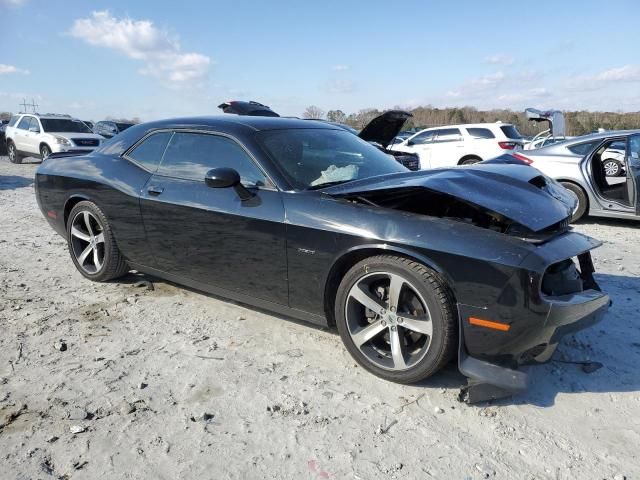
x=583, y=202
x=439, y=300
x=114, y=264
x=470, y=161
x=14, y=156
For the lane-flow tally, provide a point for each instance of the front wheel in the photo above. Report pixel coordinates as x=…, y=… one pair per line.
x=612, y=168
x=45, y=151
x=396, y=318
x=92, y=246
x=12, y=151
x=470, y=161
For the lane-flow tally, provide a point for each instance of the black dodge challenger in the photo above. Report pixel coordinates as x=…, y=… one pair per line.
x=308, y=220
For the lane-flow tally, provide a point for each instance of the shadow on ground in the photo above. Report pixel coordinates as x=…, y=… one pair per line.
x=11, y=182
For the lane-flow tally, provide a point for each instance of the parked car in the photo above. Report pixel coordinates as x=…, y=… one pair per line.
x=306, y=219
x=3, y=140
x=582, y=165
x=109, y=129
x=461, y=144
x=38, y=136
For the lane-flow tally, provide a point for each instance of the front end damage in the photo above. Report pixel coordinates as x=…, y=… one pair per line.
x=551, y=291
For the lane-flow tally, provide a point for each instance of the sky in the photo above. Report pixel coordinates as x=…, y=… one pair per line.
x=157, y=59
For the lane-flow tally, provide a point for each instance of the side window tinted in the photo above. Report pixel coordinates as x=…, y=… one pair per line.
x=150, y=151
x=192, y=155
x=582, y=148
x=634, y=149
x=13, y=120
x=35, y=124
x=448, y=135
x=480, y=133
x=24, y=123
x=424, y=137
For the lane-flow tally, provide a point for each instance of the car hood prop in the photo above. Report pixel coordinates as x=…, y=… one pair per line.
x=519, y=193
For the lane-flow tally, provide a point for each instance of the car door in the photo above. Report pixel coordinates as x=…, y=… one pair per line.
x=32, y=137
x=21, y=133
x=446, y=148
x=632, y=165
x=421, y=144
x=210, y=235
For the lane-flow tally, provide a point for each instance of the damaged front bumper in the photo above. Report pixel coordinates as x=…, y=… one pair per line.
x=490, y=360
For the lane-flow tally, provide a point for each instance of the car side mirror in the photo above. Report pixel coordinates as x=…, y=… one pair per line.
x=225, y=178
x=410, y=143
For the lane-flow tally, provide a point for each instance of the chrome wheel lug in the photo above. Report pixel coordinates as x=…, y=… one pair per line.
x=383, y=323
x=393, y=328
x=400, y=320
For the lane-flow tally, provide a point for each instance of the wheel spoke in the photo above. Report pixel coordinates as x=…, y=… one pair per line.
x=366, y=299
x=367, y=333
x=420, y=324
x=397, y=349
x=87, y=222
x=85, y=253
x=96, y=259
x=395, y=286
x=99, y=238
x=75, y=232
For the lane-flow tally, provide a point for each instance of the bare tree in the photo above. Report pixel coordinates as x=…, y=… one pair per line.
x=313, y=112
x=336, y=116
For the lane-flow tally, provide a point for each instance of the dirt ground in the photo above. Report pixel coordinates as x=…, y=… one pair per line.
x=173, y=384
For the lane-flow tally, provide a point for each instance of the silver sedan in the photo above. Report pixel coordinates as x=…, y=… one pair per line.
x=582, y=165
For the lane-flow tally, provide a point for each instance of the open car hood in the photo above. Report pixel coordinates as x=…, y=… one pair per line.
x=512, y=193
x=385, y=127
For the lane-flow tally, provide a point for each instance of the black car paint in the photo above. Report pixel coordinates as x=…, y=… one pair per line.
x=285, y=250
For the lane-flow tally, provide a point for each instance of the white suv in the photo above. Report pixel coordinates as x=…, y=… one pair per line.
x=461, y=144
x=35, y=135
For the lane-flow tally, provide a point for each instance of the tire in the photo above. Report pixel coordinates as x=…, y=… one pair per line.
x=369, y=336
x=583, y=202
x=12, y=152
x=470, y=161
x=92, y=246
x=612, y=168
x=45, y=151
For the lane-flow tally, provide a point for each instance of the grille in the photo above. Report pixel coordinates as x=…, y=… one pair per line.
x=86, y=142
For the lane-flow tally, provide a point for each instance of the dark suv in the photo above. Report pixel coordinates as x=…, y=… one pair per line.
x=109, y=129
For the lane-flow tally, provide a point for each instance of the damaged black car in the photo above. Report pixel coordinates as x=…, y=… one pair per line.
x=306, y=219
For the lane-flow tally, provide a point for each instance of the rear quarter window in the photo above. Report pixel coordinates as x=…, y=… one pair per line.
x=480, y=133
x=582, y=148
x=150, y=151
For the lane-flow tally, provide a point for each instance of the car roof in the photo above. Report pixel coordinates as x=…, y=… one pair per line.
x=256, y=123
x=469, y=125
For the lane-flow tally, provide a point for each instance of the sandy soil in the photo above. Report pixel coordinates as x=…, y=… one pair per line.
x=170, y=383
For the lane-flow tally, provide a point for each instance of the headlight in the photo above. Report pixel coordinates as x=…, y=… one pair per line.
x=62, y=141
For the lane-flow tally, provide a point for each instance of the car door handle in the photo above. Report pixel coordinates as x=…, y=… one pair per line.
x=155, y=190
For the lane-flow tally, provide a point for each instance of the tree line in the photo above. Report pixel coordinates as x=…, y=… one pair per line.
x=577, y=122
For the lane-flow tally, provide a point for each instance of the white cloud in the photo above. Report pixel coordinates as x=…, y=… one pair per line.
x=7, y=69
x=142, y=40
x=624, y=74
x=532, y=94
x=13, y=3
x=340, y=68
x=499, y=59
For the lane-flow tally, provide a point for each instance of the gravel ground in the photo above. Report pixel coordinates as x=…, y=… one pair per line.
x=119, y=381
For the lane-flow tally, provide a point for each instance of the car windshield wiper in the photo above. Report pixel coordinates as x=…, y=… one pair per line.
x=327, y=184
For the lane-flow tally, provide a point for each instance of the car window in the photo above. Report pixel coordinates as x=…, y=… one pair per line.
x=448, y=135
x=618, y=145
x=13, y=121
x=24, y=123
x=583, y=148
x=424, y=137
x=480, y=133
x=511, y=132
x=64, y=125
x=192, y=155
x=634, y=149
x=150, y=151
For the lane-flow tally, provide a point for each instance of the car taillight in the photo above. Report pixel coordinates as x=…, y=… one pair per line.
x=507, y=145
x=522, y=158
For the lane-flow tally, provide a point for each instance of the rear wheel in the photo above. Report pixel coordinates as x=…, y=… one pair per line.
x=14, y=157
x=92, y=246
x=470, y=160
x=396, y=318
x=583, y=202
